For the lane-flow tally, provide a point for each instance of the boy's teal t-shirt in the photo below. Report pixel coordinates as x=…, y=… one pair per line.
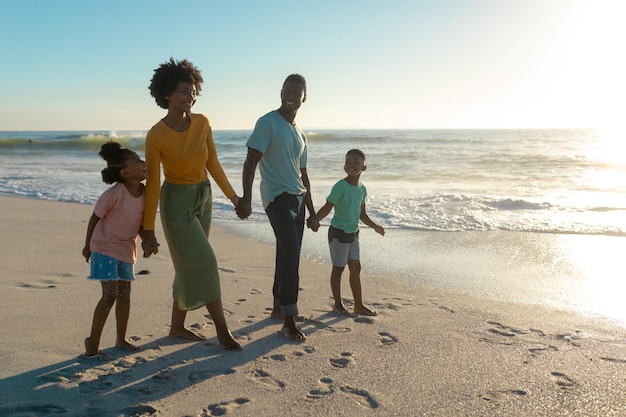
x=284, y=150
x=347, y=200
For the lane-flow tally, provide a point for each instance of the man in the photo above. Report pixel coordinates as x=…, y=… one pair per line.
x=279, y=147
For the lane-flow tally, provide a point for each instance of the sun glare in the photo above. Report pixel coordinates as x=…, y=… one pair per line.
x=598, y=261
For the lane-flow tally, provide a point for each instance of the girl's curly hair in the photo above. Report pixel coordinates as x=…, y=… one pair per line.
x=116, y=158
x=166, y=78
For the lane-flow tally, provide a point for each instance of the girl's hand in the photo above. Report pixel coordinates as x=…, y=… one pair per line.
x=380, y=230
x=235, y=200
x=149, y=243
x=86, y=253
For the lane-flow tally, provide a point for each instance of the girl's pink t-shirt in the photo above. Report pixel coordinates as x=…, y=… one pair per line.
x=121, y=215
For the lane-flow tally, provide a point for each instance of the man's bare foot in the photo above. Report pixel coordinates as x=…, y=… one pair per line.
x=228, y=342
x=364, y=311
x=341, y=310
x=185, y=334
x=292, y=333
x=91, y=348
x=123, y=344
x=276, y=314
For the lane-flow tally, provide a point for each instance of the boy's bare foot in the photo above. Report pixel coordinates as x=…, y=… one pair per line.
x=292, y=333
x=91, y=348
x=228, y=342
x=364, y=311
x=123, y=344
x=341, y=310
x=185, y=334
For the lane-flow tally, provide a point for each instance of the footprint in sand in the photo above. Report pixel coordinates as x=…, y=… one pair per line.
x=304, y=351
x=362, y=397
x=254, y=291
x=338, y=329
x=39, y=286
x=278, y=357
x=386, y=306
x=446, y=309
x=402, y=301
x=364, y=319
x=248, y=320
x=223, y=408
x=345, y=360
x=242, y=335
x=495, y=396
x=230, y=271
x=563, y=381
x=266, y=378
x=140, y=410
x=614, y=360
x=503, y=330
x=542, y=349
x=387, y=339
x=325, y=389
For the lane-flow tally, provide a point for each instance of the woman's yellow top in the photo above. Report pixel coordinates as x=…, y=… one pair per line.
x=185, y=156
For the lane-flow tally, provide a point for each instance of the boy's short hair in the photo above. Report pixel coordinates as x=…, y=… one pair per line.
x=296, y=78
x=356, y=152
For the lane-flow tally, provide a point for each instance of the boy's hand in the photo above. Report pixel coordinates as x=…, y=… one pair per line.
x=313, y=224
x=379, y=229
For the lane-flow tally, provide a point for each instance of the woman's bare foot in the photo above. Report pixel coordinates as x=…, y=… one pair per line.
x=185, y=334
x=123, y=344
x=227, y=341
x=91, y=348
x=364, y=311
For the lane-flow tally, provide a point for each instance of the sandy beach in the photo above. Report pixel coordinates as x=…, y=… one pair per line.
x=429, y=352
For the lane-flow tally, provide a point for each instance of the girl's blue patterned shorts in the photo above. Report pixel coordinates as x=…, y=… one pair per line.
x=105, y=268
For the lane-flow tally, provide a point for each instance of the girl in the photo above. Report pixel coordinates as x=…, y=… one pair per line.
x=111, y=240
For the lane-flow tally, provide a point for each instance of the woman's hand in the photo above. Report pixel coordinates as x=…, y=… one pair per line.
x=235, y=200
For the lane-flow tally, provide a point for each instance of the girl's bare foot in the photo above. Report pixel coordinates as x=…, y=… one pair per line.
x=185, y=334
x=227, y=341
x=364, y=311
x=91, y=348
x=123, y=344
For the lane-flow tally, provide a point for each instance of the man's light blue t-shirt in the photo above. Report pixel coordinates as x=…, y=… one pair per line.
x=284, y=150
x=347, y=200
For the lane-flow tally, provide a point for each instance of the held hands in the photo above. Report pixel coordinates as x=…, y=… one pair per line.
x=312, y=223
x=243, y=208
x=149, y=243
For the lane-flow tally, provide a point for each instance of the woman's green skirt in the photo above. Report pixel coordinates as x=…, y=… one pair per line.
x=186, y=219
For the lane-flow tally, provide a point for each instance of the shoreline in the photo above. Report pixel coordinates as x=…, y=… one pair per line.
x=430, y=351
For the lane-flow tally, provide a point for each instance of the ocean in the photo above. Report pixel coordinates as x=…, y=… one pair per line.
x=534, y=216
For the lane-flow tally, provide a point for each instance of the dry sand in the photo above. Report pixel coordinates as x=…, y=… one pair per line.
x=429, y=352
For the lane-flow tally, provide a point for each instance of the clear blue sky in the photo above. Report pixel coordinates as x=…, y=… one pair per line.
x=86, y=64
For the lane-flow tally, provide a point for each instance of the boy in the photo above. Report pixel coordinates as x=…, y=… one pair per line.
x=348, y=199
